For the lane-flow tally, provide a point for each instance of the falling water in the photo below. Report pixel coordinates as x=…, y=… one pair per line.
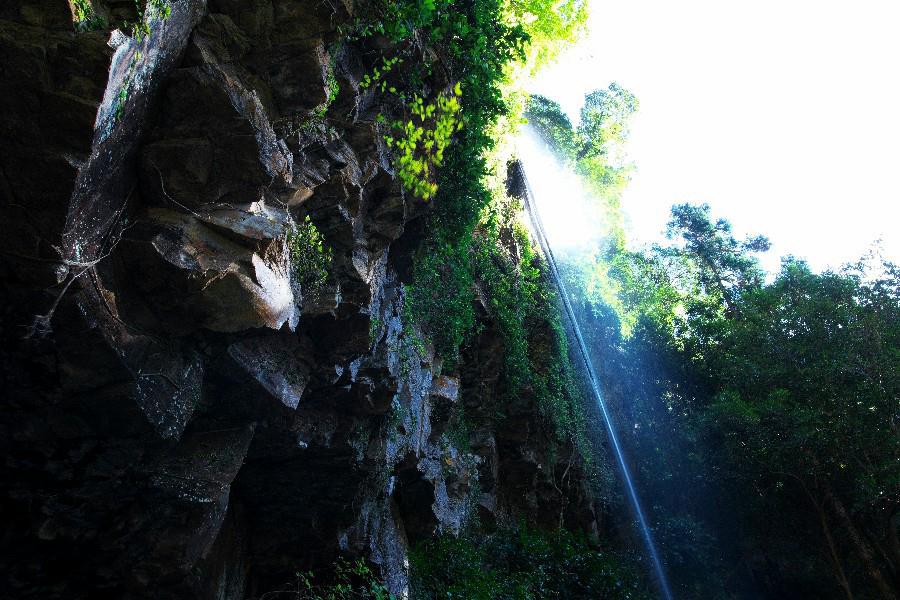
x=541, y=235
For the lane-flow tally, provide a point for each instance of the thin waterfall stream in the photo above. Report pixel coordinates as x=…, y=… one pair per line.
x=540, y=234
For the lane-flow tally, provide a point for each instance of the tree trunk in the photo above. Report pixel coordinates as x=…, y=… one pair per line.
x=893, y=525
x=837, y=567
x=862, y=548
x=832, y=549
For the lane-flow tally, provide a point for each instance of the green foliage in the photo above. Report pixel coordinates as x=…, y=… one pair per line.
x=375, y=325
x=398, y=21
x=595, y=150
x=603, y=127
x=441, y=296
x=379, y=74
x=349, y=581
x=84, y=17
x=598, y=140
x=122, y=98
x=523, y=305
x=478, y=42
x=311, y=257
x=806, y=408
x=523, y=302
x=551, y=25
x=141, y=28
x=332, y=84
x=459, y=433
x=764, y=414
x=509, y=291
x=163, y=8
x=548, y=25
x=721, y=265
x=525, y=564
x=547, y=118
x=333, y=88
x=419, y=141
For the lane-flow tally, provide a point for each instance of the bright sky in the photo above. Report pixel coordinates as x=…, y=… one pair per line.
x=783, y=115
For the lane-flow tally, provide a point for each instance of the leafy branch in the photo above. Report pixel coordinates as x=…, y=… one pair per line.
x=420, y=140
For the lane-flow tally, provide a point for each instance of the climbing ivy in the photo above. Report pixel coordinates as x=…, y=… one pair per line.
x=420, y=140
x=478, y=43
x=379, y=73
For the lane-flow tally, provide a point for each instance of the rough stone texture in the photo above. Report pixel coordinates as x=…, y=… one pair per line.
x=182, y=421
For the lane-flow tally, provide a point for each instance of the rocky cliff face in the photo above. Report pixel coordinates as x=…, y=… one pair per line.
x=183, y=415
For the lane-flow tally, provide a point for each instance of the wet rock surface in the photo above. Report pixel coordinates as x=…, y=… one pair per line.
x=184, y=420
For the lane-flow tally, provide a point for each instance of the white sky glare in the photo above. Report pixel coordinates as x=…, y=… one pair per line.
x=784, y=116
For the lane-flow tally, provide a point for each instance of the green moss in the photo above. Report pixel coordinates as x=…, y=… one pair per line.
x=375, y=324
x=141, y=27
x=459, y=433
x=332, y=89
x=125, y=89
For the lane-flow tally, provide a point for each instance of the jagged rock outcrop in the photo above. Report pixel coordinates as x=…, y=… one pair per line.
x=183, y=419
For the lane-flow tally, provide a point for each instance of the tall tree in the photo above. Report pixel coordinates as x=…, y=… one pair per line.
x=808, y=408
x=723, y=265
x=604, y=124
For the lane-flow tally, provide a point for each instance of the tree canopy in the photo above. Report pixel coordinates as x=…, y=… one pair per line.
x=778, y=400
x=762, y=418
